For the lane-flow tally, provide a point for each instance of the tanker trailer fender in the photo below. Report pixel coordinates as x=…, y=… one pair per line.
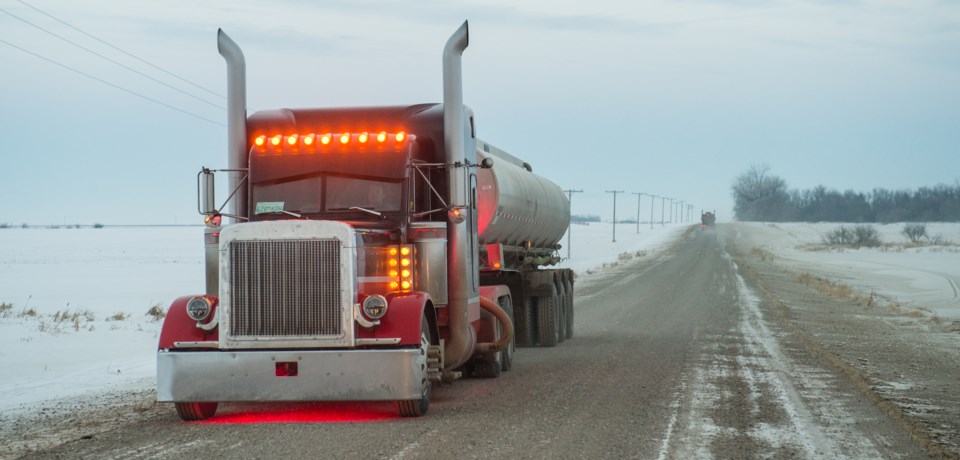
x=405, y=314
x=180, y=330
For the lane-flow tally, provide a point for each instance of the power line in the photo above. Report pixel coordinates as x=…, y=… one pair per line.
x=112, y=60
x=111, y=84
x=121, y=50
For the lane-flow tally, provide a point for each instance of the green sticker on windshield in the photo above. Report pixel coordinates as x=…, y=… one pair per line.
x=264, y=207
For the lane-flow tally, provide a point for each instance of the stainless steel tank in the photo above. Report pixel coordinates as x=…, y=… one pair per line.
x=515, y=206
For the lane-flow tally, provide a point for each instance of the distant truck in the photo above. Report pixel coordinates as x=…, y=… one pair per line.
x=370, y=252
x=707, y=219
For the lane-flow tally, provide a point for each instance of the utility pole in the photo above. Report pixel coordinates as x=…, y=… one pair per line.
x=680, y=211
x=570, y=218
x=663, y=205
x=639, y=194
x=671, y=211
x=614, y=192
x=652, y=197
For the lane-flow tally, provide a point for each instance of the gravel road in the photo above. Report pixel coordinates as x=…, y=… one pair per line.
x=690, y=352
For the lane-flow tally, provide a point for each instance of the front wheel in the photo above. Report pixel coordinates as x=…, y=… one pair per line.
x=419, y=407
x=193, y=411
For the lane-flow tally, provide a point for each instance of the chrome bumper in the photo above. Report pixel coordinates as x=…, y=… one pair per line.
x=337, y=375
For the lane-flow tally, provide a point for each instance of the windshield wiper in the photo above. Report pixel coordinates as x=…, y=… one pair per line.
x=282, y=211
x=370, y=211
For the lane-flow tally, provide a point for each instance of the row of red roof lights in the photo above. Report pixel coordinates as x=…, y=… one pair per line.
x=280, y=141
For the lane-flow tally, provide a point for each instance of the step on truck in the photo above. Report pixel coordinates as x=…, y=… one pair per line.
x=364, y=254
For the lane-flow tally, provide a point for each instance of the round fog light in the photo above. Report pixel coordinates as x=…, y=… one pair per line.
x=198, y=308
x=375, y=306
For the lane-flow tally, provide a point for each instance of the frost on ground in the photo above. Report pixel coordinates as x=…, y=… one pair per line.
x=745, y=391
x=887, y=317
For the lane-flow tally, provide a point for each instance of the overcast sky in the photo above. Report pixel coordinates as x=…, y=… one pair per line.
x=674, y=98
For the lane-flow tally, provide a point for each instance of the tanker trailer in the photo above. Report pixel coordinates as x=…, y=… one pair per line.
x=367, y=253
x=522, y=217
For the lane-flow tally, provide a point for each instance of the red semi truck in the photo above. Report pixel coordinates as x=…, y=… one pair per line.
x=367, y=253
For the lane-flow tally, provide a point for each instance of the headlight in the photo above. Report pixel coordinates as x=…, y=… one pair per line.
x=198, y=308
x=375, y=306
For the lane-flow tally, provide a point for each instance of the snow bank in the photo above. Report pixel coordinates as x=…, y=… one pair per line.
x=926, y=278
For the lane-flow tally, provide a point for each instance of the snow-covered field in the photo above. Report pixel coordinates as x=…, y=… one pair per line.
x=74, y=317
x=924, y=278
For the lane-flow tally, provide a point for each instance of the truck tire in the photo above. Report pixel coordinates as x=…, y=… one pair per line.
x=561, y=308
x=549, y=319
x=490, y=367
x=419, y=407
x=523, y=323
x=193, y=411
x=506, y=363
x=568, y=282
x=487, y=368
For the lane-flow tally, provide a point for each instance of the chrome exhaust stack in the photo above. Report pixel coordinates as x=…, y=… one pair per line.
x=462, y=338
x=236, y=120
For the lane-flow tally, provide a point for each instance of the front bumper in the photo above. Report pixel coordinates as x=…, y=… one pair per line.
x=323, y=375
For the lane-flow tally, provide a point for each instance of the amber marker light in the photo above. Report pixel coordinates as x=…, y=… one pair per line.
x=405, y=285
x=325, y=139
x=292, y=139
x=404, y=251
x=401, y=136
x=260, y=140
x=344, y=138
x=394, y=285
x=309, y=139
x=363, y=138
x=275, y=140
x=382, y=137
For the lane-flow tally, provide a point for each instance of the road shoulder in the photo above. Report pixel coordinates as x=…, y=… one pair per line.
x=910, y=373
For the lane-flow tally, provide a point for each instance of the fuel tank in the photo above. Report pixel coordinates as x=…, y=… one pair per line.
x=516, y=207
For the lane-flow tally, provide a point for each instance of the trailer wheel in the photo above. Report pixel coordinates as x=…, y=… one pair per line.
x=568, y=282
x=523, y=322
x=506, y=362
x=193, y=411
x=561, y=308
x=418, y=407
x=549, y=320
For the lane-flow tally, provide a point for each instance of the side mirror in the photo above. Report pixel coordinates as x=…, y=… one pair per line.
x=487, y=163
x=206, y=202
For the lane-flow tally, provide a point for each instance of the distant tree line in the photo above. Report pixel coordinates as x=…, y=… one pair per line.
x=761, y=196
x=584, y=218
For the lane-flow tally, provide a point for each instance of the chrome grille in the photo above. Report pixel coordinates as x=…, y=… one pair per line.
x=285, y=288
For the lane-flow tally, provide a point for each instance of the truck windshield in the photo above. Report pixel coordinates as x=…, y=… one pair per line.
x=320, y=194
x=344, y=193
